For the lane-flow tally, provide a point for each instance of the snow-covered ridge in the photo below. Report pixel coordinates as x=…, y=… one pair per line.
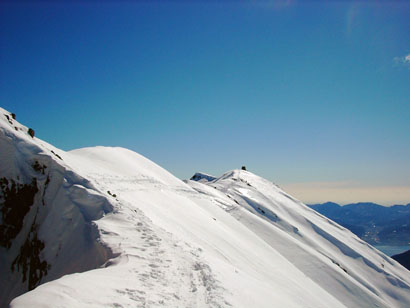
x=310, y=241
x=233, y=241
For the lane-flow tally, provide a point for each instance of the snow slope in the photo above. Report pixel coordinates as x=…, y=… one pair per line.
x=46, y=214
x=233, y=241
x=354, y=272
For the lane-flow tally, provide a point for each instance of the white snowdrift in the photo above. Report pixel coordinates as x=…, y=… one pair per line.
x=237, y=240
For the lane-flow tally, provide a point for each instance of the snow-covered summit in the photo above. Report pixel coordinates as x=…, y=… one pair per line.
x=149, y=239
x=324, y=251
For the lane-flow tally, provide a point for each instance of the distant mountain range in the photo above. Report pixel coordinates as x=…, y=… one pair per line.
x=374, y=223
x=403, y=259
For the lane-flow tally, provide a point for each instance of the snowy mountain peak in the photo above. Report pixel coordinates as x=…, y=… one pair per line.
x=106, y=227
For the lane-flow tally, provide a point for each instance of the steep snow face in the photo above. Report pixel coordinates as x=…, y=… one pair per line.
x=233, y=241
x=46, y=213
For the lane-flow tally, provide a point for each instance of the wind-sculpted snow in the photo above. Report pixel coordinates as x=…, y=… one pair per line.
x=46, y=217
x=233, y=241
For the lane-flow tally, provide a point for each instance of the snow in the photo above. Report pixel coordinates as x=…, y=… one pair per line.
x=149, y=239
x=60, y=216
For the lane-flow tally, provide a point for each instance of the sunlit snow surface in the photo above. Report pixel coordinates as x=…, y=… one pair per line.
x=234, y=241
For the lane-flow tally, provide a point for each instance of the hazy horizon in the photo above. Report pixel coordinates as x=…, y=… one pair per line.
x=348, y=193
x=311, y=95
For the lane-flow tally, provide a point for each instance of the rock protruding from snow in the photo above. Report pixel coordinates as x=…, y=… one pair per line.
x=202, y=177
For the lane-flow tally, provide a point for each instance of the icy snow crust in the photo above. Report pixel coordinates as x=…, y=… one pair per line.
x=233, y=241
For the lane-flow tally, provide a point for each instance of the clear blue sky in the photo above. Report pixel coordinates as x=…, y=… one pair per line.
x=299, y=92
